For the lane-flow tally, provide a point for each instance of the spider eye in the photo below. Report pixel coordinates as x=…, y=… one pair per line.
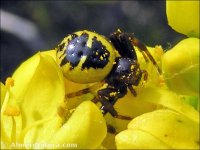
x=124, y=65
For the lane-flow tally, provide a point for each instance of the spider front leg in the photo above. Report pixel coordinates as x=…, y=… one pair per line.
x=130, y=87
x=85, y=91
x=108, y=97
x=143, y=49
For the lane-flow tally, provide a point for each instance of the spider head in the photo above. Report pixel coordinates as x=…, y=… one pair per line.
x=126, y=71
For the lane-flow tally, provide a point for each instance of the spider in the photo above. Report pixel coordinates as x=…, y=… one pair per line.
x=87, y=57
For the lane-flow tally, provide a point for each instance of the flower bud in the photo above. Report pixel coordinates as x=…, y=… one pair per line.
x=181, y=67
x=183, y=16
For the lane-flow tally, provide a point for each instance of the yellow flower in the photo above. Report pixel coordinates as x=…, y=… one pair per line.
x=183, y=16
x=181, y=67
x=35, y=113
x=163, y=129
x=31, y=115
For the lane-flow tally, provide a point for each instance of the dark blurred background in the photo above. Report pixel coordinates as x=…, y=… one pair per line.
x=31, y=26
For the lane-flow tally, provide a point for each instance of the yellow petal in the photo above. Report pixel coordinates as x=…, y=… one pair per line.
x=74, y=87
x=3, y=92
x=130, y=106
x=39, y=87
x=40, y=132
x=183, y=16
x=23, y=75
x=147, y=100
x=138, y=139
x=181, y=67
x=168, y=99
x=51, y=53
x=86, y=128
x=170, y=127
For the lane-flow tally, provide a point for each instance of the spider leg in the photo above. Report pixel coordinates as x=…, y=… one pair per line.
x=145, y=73
x=107, y=101
x=123, y=42
x=123, y=117
x=132, y=90
x=78, y=93
x=142, y=72
x=108, y=97
x=123, y=45
x=85, y=91
x=145, y=77
x=111, y=129
x=145, y=57
x=144, y=49
x=95, y=99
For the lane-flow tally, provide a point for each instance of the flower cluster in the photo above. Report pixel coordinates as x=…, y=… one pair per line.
x=35, y=113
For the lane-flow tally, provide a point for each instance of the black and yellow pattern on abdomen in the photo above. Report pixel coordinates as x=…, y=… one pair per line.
x=97, y=56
